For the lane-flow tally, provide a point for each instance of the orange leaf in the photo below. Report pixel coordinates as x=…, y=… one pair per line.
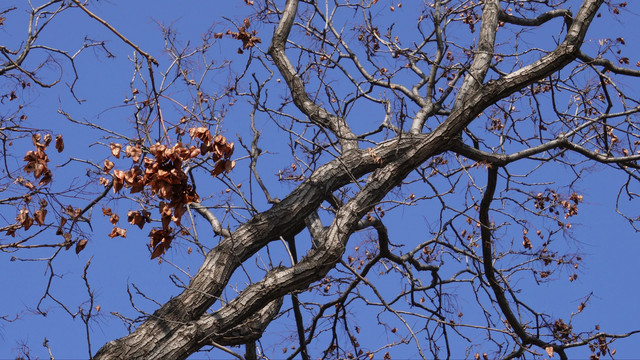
x=35, y=139
x=160, y=241
x=193, y=152
x=115, y=149
x=228, y=151
x=139, y=218
x=220, y=140
x=159, y=250
x=201, y=133
x=134, y=152
x=25, y=219
x=114, y=219
x=67, y=241
x=118, y=181
x=108, y=165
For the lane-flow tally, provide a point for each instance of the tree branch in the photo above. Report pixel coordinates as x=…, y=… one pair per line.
x=337, y=125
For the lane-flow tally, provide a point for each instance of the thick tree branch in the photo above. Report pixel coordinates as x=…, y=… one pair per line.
x=537, y=21
x=607, y=64
x=483, y=53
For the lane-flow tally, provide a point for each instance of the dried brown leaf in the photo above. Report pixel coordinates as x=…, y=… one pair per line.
x=80, y=245
x=549, y=350
x=116, y=231
x=59, y=143
x=134, y=152
x=108, y=165
x=115, y=149
x=39, y=216
x=218, y=168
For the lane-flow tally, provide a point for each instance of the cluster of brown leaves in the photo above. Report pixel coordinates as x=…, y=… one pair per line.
x=37, y=163
x=370, y=40
x=164, y=177
x=37, y=160
x=600, y=347
x=26, y=221
x=551, y=200
x=113, y=219
x=249, y=39
x=563, y=331
x=470, y=18
x=139, y=218
x=220, y=149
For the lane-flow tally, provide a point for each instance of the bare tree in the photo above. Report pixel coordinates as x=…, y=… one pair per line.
x=447, y=114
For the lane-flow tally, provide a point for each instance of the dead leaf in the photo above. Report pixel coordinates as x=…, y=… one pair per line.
x=115, y=149
x=80, y=245
x=139, y=218
x=134, y=152
x=218, y=168
x=39, y=216
x=59, y=143
x=118, y=180
x=549, y=350
x=114, y=219
x=229, y=165
x=108, y=165
x=25, y=220
x=116, y=231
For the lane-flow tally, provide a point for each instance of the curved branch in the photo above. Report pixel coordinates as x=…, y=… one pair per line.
x=489, y=273
x=537, y=21
x=607, y=64
x=561, y=142
x=337, y=125
x=212, y=219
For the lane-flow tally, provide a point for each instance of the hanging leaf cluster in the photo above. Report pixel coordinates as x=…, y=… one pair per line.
x=220, y=149
x=37, y=160
x=164, y=177
x=249, y=39
x=37, y=164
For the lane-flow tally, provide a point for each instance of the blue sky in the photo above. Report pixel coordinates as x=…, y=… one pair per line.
x=605, y=240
